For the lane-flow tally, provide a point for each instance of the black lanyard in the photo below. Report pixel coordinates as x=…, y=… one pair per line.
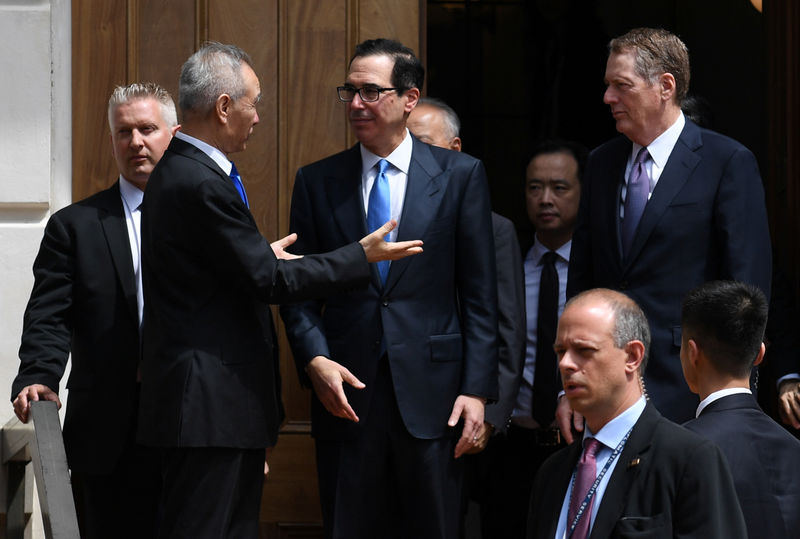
x=593, y=488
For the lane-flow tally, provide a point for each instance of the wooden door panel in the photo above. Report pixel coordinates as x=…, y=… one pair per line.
x=300, y=51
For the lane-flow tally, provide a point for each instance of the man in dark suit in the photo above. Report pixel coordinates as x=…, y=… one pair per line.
x=723, y=330
x=87, y=301
x=210, y=382
x=418, y=346
x=639, y=474
x=665, y=207
x=434, y=122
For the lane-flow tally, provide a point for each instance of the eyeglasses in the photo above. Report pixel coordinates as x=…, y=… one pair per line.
x=368, y=94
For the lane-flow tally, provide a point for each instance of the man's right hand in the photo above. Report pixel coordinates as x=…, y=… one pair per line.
x=567, y=419
x=377, y=249
x=30, y=393
x=327, y=377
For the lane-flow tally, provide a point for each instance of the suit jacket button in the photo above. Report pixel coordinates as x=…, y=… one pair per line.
x=385, y=302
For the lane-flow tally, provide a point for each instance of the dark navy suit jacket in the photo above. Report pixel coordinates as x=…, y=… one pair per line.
x=764, y=460
x=668, y=483
x=706, y=219
x=437, y=312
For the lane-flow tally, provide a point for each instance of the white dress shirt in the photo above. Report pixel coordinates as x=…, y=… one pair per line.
x=659, y=150
x=397, y=174
x=718, y=395
x=610, y=436
x=131, y=202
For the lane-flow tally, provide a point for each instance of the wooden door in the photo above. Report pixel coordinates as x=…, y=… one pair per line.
x=300, y=50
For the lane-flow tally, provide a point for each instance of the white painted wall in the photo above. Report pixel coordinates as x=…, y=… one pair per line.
x=35, y=157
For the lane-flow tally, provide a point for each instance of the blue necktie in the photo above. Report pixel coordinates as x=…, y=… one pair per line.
x=635, y=199
x=237, y=183
x=379, y=210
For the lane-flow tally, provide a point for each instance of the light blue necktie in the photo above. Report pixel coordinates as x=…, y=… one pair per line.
x=635, y=199
x=379, y=210
x=237, y=183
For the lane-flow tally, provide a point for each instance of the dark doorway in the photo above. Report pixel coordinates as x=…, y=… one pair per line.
x=517, y=71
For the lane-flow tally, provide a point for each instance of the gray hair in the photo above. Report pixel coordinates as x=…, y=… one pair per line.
x=451, y=121
x=143, y=90
x=215, y=69
x=656, y=51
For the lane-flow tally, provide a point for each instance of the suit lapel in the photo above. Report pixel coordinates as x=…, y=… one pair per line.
x=424, y=190
x=115, y=228
x=633, y=458
x=682, y=161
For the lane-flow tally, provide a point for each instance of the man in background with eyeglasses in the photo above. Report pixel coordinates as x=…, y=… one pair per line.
x=396, y=367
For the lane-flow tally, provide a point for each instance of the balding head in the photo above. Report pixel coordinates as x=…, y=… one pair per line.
x=602, y=344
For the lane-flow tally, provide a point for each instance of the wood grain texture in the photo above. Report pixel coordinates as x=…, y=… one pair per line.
x=99, y=63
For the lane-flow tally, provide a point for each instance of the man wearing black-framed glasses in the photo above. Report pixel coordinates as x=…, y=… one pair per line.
x=396, y=367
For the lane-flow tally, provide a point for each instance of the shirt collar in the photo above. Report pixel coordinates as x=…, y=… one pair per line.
x=718, y=395
x=400, y=158
x=131, y=194
x=214, y=153
x=662, y=146
x=538, y=250
x=615, y=430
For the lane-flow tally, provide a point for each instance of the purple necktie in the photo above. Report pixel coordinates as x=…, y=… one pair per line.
x=584, y=478
x=635, y=199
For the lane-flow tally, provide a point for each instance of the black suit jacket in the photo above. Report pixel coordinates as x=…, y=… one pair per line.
x=511, y=325
x=764, y=460
x=667, y=483
x=210, y=374
x=84, y=302
x=705, y=220
x=438, y=310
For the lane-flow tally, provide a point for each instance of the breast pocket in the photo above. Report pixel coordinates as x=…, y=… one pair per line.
x=649, y=527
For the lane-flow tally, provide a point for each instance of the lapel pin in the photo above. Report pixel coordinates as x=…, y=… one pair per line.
x=634, y=462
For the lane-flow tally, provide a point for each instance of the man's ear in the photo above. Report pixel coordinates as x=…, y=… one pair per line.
x=635, y=353
x=667, y=85
x=693, y=352
x=222, y=107
x=173, y=130
x=412, y=98
x=455, y=144
x=760, y=356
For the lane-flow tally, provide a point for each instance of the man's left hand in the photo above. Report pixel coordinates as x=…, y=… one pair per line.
x=471, y=410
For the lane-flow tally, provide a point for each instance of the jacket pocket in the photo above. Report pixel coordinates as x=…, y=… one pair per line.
x=446, y=347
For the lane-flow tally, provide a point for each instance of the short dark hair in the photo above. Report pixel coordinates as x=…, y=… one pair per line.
x=407, y=72
x=727, y=320
x=549, y=146
x=656, y=51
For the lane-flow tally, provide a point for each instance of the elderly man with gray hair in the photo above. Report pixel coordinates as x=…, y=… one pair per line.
x=210, y=380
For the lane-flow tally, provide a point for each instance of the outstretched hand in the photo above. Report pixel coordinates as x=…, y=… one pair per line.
x=377, y=249
x=279, y=247
x=328, y=377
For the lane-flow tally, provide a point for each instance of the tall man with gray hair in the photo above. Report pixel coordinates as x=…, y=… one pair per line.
x=665, y=207
x=210, y=380
x=87, y=300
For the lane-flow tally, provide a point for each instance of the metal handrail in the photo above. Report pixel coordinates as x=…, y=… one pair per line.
x=41, y=443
